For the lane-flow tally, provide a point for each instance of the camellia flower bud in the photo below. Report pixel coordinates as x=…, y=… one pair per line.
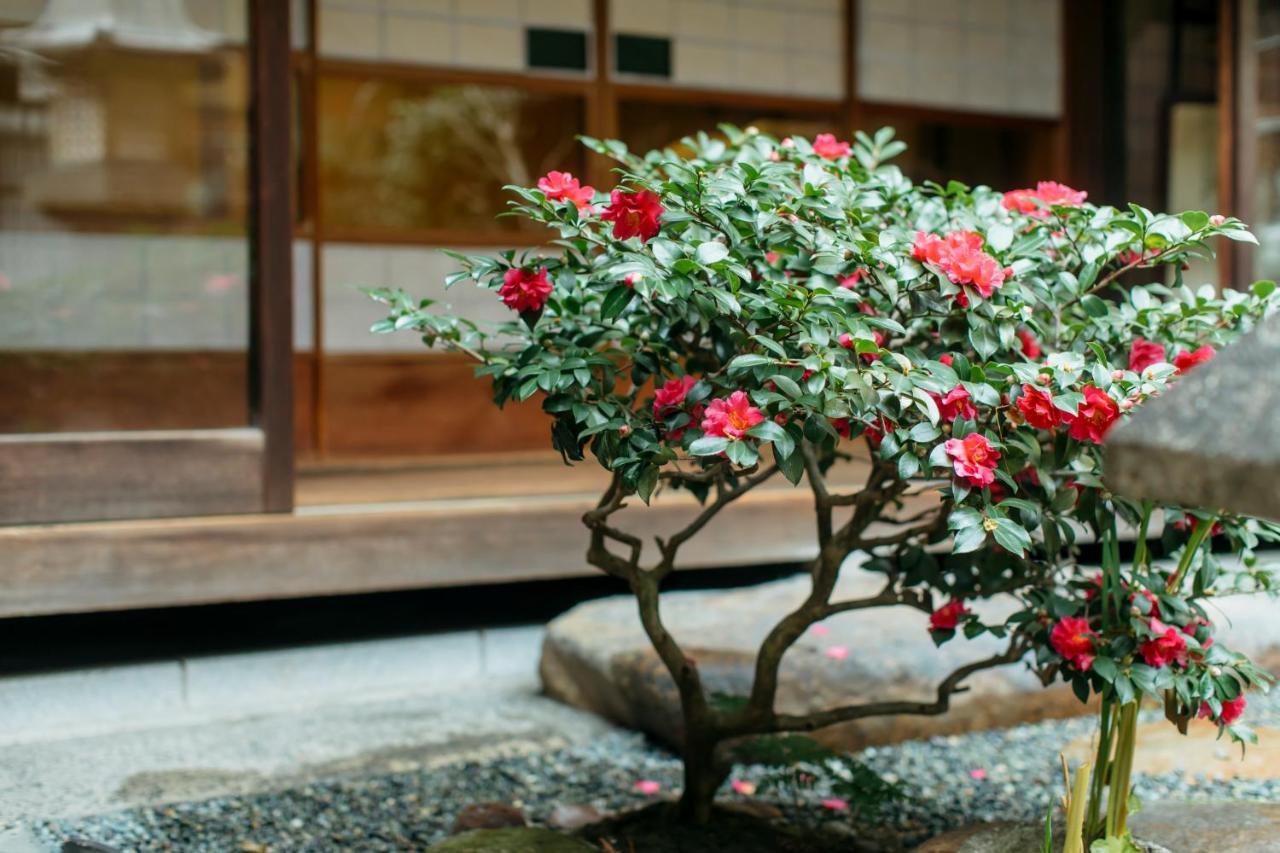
x=1117, y=375
x=1126, y=404
x=1217, y=219
x=624, y=430
x=1044, y=379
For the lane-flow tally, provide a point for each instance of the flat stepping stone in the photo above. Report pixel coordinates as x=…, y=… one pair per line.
x=512, y=840
x=596, y=657
x=1199, y=753
x=1184, y=827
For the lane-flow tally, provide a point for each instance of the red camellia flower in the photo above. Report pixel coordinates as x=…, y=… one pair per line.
x=1143, y=354
x=961, y=258
x=1037, y=407
x=973, y=458
x=948, y=616
x=851, y=280
x=1073, y=639
x=947, y=358
x=1232, y=710
x=731, y=417
x=957, y=404
x=1168, y=646
x=633, y=214
x=826, y=145
x=525, y=290
x=562, y=186
x=1035, y=202
x=671, y=395
x=1095, y=416
x=1184, y=361
x=876, y=432
x=1030, y=346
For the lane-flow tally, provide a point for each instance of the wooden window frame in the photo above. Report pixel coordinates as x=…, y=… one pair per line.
x=603, y=95
x=82, y=476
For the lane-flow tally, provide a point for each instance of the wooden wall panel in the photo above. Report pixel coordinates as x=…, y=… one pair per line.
x=142, y=474
x=421, y=405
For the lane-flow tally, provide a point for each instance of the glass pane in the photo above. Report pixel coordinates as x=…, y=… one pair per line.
x=645, y=126
x=1000, y=157
x=123, y=190
x=1266, y=201
x=410, y=156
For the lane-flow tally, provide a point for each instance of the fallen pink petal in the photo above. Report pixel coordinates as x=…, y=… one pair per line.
x=744, y=787
x=836, y=804
x=978, y=773
x=648, y=787
x=820, y=630
x=837, y=652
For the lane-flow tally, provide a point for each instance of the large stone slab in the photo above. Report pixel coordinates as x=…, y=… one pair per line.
x=1212, y=440
x=1180, y=827
x=1198, y=753
x=597, y=657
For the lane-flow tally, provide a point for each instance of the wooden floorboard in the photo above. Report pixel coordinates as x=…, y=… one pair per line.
x=364, y=530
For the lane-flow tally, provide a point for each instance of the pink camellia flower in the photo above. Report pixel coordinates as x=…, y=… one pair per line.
x=961, y=258
x=1232, y=710
x=957, y=404
x=672, y=394
x=837, y=652
x=648, y=787
x=1095, y=416
x=948, y=616
x=525, y=290
x=846, y=340
x=973, y=458
x=1073, y=639
x=1035, y=202
x=1029, y=345
x=1168, y=646
x=731, y=417
x=1143, y=354
x=835, y=804
x=1184, y=361
x=633, y=214
x=1036, y=406
x=850, y=281
x=562, y=186
x=631, y=278
x=826, y=145
x=743, y=787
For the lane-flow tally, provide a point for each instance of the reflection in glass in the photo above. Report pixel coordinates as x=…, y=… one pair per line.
x=403, y=156
x=123, y=263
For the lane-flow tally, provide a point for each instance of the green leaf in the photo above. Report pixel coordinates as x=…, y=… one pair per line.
x=969, y=539
x=1263, y=289
x=791, y=466
x=1095, y=306
x=1195, y=219
x=770, y=431
x=746, y=360
x=615, y=301
x=709, y=445
x=712, y=252
x=999, y=237
x=742, y=453
x=786, y=386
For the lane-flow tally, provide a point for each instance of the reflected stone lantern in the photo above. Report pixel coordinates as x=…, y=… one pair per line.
x=1213, y=439
x=133, y=98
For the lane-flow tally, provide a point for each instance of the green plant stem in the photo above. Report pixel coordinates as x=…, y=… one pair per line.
x=1101, y=766
x=1140, y=553
x=1074, y=842
x=1122, y=770
x=1199, y=533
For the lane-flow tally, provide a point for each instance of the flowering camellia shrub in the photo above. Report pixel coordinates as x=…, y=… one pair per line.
x=758, y=309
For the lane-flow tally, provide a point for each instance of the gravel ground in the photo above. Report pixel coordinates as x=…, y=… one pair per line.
x=406, y=811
